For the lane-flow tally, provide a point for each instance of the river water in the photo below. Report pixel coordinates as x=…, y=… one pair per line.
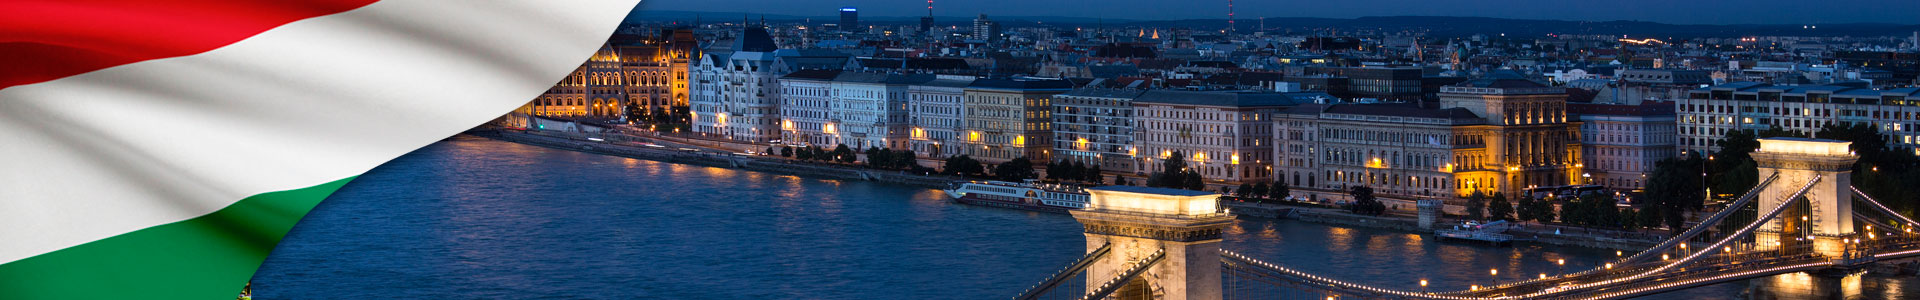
x=481, y=219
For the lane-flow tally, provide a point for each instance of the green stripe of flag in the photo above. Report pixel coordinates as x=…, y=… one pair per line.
x=208, y=257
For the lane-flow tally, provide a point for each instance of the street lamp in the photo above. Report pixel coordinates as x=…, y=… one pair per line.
x=1423, y=286
x=1706, y=168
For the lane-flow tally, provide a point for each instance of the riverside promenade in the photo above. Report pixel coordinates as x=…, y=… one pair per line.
x=632, y=147
x=676, y=150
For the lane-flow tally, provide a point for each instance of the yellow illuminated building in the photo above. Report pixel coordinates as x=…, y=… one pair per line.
x=1502, y=135
x=639, y=75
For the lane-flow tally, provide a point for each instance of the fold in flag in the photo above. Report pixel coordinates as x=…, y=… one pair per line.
x=160, y=149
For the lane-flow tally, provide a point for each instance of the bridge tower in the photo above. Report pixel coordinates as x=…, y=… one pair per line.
x=1827, y=215
x=1140, y=222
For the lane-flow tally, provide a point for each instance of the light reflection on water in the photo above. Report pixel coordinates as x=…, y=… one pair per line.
x=483, y=219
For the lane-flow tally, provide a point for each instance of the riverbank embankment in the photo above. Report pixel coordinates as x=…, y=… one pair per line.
x=630, y=149
x=634, y=147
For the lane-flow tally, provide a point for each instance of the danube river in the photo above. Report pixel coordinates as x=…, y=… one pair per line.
x=482, y=219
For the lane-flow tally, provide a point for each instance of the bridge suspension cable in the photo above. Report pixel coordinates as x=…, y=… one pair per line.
x=1126, y=274
x=1064, y=274
x=1775, y=212
x=1730, y=253
x=1703, y=226
x=1497, y=292
x=1658, y=249
x=1310, y=279
x=1882, y=208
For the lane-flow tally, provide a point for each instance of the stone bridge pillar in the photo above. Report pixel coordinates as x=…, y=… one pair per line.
x=1827, y=216
x=1430, y=212
x=1139, y=221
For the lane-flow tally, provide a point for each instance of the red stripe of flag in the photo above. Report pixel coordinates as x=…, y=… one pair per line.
x=42, y=40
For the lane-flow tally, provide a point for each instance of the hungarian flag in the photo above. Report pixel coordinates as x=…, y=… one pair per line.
x=159, y=149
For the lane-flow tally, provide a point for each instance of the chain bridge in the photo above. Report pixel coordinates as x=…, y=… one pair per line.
x=1150, y=243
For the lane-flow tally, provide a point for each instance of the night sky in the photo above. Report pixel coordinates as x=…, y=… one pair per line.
x=1664, y=11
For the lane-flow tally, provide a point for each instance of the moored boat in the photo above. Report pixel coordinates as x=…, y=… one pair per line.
x=1030, y=195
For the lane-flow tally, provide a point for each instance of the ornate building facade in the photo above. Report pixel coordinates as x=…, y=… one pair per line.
x=1490, y=135
x=634, y=77
x=735, y=93
x=1525, y=141
x=1396, y=149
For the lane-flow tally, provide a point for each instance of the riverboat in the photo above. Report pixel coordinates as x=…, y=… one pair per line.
x=1030, y=195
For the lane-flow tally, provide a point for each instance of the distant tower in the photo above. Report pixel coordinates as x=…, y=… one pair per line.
x=850, y=19
x=926, y=23
x=1230, y=27
x=985, y=29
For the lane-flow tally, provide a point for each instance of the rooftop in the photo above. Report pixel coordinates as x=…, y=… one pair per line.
x=914, y=63
x=1502, y=83
x=865, y=77
x=754, y=39
x=1106, y=93
x=1022, y=84
x=1843, y=89
x=822, y=75
x=948, y=82
x=1233, y=98
x=1400, y=110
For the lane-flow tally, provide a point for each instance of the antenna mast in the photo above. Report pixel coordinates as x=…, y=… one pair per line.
x=1230, y=27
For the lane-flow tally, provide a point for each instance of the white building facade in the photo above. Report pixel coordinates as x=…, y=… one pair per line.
x=1225, y=136
x=734, y=91
x=871, y=106
x=1708, y=113
x=806, y=109
x=1623, y=142
x=934, y=111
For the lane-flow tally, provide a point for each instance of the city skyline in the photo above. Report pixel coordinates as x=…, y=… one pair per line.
x=961, y=149
x=1688, y=13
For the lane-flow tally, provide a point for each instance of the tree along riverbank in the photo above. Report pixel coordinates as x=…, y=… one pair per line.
x=1315, y=213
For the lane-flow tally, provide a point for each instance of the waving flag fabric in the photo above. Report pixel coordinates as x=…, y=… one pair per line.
x=160, y=149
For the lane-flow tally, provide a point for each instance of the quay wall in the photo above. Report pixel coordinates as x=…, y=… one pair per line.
x=1307, y=212
x=719, y=160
